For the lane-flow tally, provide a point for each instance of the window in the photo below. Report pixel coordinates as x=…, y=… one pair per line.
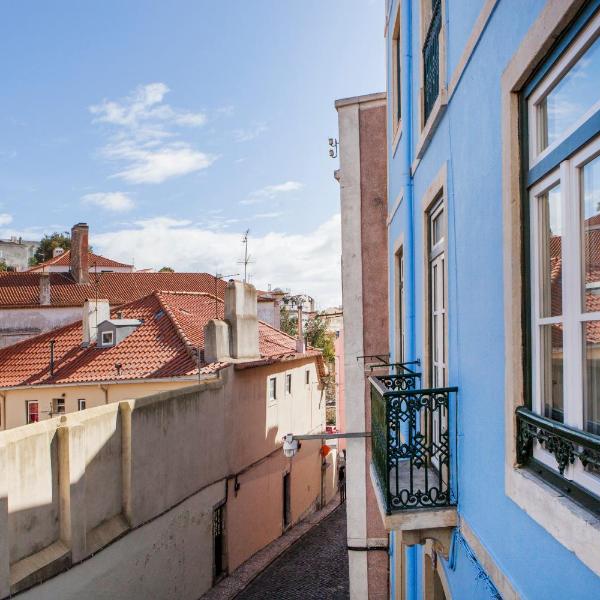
x=432, y=15
x=567, y=95
x=564, y=251
x=32, y=411
x=399, y=306
x=288, y=383
x=395, y=74
x=437, y=296
x=81, y=404
x=219, y=569
x=307, y=377
x=273, y=389
x=58, y=406
x=287, y=509
x=108, y=338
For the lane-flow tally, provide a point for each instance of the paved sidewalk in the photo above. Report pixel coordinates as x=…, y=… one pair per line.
x=265, y=563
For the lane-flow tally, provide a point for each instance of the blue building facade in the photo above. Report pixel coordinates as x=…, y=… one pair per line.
x=493, y=192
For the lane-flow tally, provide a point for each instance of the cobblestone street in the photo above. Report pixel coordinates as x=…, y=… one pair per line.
x=314, y=568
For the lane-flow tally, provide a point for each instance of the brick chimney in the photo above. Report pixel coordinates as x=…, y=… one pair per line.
x=80, y=257
x=241, y=314
x=45, y=289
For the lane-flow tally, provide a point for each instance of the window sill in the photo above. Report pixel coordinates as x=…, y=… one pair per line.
x=397, y=138
x=571, y=525
x=437, y=112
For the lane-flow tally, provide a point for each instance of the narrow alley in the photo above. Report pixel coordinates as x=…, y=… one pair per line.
x=314, y=568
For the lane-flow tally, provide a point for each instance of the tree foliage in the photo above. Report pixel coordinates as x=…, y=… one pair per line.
x=49, y=243
x=315, y=332
x=166, y=270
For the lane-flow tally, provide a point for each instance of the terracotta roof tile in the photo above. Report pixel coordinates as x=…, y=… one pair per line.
x=21, y=290
x=64, y=260
x=166, y=344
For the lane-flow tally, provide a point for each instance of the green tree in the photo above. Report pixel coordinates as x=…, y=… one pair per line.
x=318, y=337
x=3, y=266
x=288, y=322
x=166, y=270
x=315, y=332
x=49, y=243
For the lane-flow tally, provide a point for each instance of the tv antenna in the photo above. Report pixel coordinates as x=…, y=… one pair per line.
x=247, y=260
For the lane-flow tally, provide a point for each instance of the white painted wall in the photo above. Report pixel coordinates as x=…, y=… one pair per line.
x=17, y=324
x=350, y=196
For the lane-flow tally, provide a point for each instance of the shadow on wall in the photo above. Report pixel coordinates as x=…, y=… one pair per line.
x=84, y=482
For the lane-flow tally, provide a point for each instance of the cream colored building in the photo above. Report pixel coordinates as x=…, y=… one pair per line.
x=161, y=496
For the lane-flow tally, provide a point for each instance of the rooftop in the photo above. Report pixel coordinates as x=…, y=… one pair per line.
x=64, y=260
x=165, y=345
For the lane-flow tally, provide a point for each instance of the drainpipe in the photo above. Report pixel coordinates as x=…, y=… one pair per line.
x=104, y=388
x=3, y=410
x=412, y=554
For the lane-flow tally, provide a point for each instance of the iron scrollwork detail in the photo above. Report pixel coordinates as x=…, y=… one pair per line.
x=566, y=444
x=411, y=449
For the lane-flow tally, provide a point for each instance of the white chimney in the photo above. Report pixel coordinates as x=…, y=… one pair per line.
x=45, y=289
x=94, y=313
x=240, y=313
x=57, y=251
x=216, y=341
x=300, y=338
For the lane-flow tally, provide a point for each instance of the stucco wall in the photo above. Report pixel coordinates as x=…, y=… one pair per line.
x=131, y=486
x=17, y=324
x=168, y=559
x=13, y=408
x=468, y=140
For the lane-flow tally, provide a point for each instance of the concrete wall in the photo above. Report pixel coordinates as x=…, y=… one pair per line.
x=13, y=401
x=18, y=324
x=17, y=254
x=131, y=486
x=362, y=132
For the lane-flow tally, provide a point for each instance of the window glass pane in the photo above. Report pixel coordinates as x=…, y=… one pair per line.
x=590, y=189
x=437, y=228
x=550, y=225
x=551, y=350
x=591, y=376
x=576, y=93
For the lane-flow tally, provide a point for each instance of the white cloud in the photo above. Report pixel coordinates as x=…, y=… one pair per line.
x=112, y=201
x=308, y=262
x=268, y=215
x=145, y=104
x=146, y=142
x=5, y=219
x=250, y=133
x=148, y=163
x=271, y=191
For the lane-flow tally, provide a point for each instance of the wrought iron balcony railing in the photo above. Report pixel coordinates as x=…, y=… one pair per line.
x=566, y=444
x=431, y=60
x=410, y=437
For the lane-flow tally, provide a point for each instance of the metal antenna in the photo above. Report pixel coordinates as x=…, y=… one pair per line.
x=247, y=260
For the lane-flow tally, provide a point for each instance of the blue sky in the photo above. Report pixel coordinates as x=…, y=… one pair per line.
x=171, y=127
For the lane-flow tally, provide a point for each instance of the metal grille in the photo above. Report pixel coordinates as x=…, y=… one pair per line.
x=410, y=437
x=431, y=59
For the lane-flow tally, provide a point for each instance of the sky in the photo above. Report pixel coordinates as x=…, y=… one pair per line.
x=173, y=127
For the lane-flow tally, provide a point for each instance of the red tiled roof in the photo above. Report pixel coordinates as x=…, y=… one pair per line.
x=64, y=260
x=21, y=290
x=166, y=344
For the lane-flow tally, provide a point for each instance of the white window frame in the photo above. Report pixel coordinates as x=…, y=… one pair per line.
x=272, y=389
x=288, y=383
x=28, y=403
x=554, y=76
x=112, y=338
x=81, y=404
x=573, y=314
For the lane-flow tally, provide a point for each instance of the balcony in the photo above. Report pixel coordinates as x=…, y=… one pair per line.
x=412, y=442
x=571, y=449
